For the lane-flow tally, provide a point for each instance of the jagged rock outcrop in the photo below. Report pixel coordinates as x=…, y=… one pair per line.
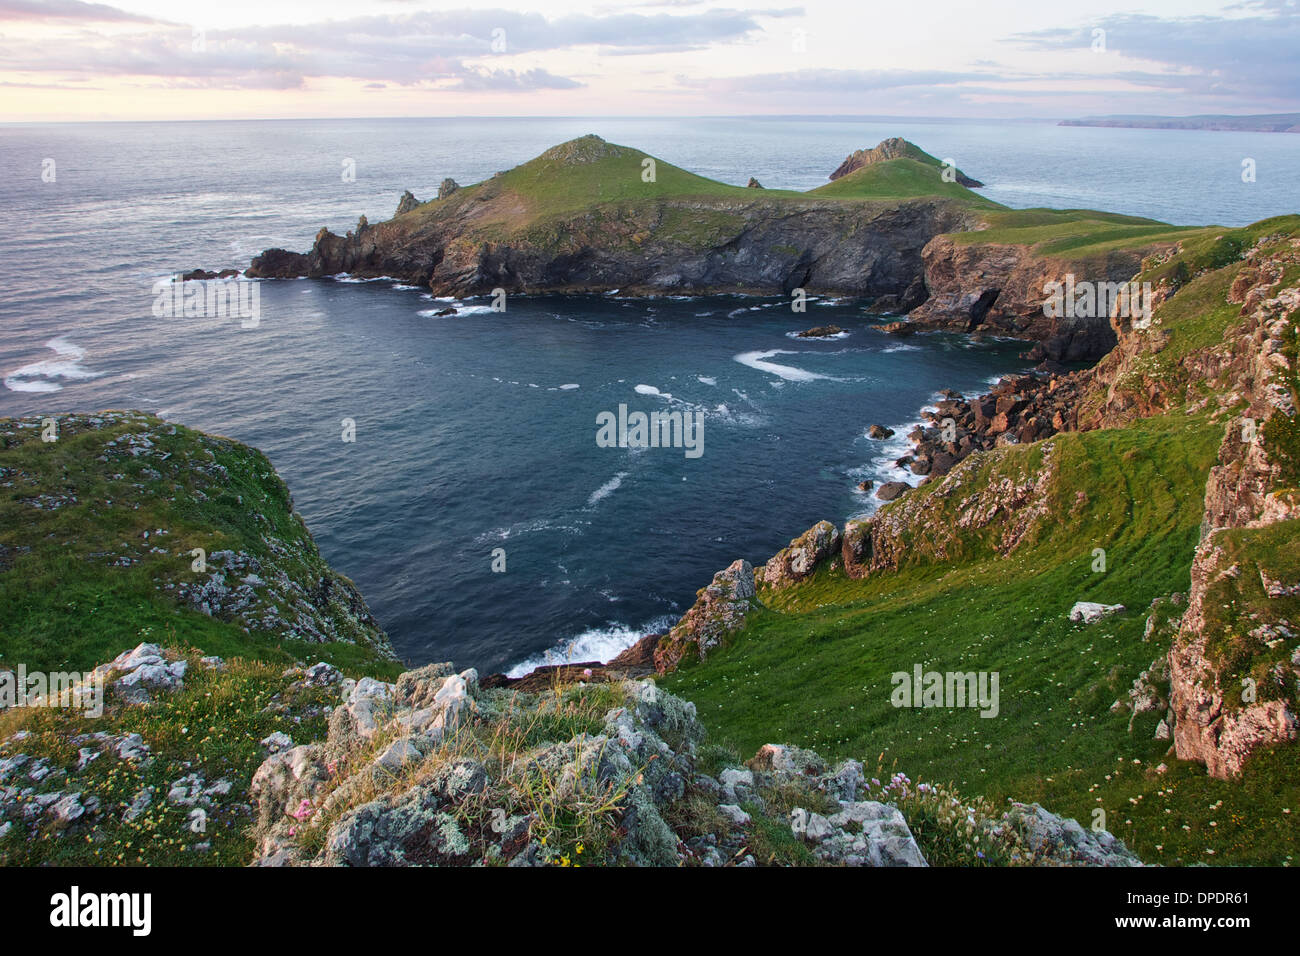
x=719, y=610
x=1019, y=410
x=1005, y=508
x=1233, y=675
x=406, y=204
x=800, y=558
x=893, y=148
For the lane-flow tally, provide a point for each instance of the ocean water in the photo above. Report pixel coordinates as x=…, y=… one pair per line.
x=477, y=432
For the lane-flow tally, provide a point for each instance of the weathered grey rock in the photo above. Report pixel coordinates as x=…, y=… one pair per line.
x=719, y=610
x=139, y=804
x=1063, y=840
x=734, y=815
x=1089, y=612
x=801, y=558
x=398, y=755
x=274, y=743
x=784, y=759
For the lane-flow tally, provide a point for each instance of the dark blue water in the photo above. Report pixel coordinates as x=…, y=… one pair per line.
x=469, y=434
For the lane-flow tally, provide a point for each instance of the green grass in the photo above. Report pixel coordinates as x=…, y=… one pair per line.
x=588, y=190
x=814, y=669
x=79, y=582
x=212, y=727
x=583, y=173
x=1084, y=236
x=903, y=178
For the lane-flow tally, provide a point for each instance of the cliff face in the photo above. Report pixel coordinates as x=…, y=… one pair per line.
x=1233, y=678
x=998, y=288
x=163, y=524
x=674, y=246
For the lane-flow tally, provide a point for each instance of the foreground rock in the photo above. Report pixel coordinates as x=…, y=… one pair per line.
x=440, y=771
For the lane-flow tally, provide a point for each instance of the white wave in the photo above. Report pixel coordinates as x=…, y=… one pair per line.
x=345, y=277
x=607, y=489
x=568, y=387
x=816, y=338
x=595, y=644
x=460, y=310
x=706, y=380
x=529, y=527
x=900, y=348
x=651, y=390
x=758, y=360
x=44, y=376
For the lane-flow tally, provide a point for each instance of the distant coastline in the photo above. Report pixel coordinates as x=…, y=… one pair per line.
x=1262, y=123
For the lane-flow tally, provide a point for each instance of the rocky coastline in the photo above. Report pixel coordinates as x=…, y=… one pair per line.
x=911, y=254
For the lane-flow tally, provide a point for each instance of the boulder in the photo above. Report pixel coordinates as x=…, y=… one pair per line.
x=892, y=489
x=1089, y=612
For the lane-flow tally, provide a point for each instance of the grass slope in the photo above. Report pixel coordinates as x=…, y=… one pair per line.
x=902, y=178
x=84, y=573
x=814, y=669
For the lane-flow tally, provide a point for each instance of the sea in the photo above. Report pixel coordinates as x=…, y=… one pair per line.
x=473, y=505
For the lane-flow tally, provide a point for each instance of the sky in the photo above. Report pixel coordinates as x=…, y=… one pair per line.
x=71, y=60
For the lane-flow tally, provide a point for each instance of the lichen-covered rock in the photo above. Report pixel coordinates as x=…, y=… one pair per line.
x=1233, y=693
x=862, y=833
x=1055, y=839
x=144, y=671
x=1090, y=612
x=797, y=561
x=719, y=610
